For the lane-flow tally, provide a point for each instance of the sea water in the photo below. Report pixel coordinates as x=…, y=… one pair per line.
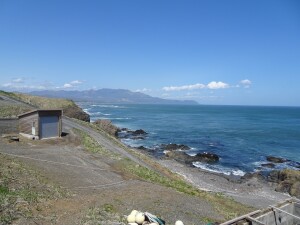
x=241, y=135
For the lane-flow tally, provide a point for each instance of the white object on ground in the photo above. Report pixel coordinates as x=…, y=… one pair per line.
x=179, y=222
x=140, y=218
x=134, y=212
x=131, y=218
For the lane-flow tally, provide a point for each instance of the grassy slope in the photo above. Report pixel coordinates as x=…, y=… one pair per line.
x=22, y=190
x=68, y=106
x=9, y=109
x=40, y=102
x=222, y=204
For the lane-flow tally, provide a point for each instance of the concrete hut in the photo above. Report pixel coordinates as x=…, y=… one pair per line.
x=41, y=123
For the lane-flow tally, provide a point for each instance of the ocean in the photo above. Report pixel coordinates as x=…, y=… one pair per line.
x=242, y=136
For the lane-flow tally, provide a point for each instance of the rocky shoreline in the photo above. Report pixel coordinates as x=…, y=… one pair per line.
x=175, y=157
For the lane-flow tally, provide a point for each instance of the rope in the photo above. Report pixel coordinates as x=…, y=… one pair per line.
x=101, y=185
x=52, y=162
x=66, y=164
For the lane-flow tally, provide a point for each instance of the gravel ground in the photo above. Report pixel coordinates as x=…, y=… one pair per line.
x=253, y=192
x=95, y=184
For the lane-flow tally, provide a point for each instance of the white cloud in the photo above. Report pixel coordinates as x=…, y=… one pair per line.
x=17, y=86
x=211, y=85
x=68, y=85
x=246, y=83
x=18, y=80
x=76, y=82
x=7, y=85
x=72, y=84
x=217, y=85
x=185, y=87
x=143, y=90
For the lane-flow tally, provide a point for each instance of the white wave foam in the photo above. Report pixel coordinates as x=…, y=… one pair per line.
x=130, y=142
x=277, y=166
x=117, y=118
x=108, y=106
x=86, y=110
x=99, y=113
x=219, y=169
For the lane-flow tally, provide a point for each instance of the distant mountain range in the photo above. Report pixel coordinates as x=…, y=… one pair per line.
x=115, y=96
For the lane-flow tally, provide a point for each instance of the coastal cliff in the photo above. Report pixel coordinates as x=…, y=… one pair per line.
x=13, y=104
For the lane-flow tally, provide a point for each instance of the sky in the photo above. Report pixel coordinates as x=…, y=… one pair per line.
x=227, y=52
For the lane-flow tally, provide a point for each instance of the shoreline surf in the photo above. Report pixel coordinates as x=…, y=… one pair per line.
x=134, y=117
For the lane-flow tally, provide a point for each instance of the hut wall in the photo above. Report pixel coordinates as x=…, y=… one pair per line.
x=8, y=126
x=26, y=123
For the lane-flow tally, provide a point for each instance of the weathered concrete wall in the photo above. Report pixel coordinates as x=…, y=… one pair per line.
x=277, y=217
x=297, y=212
x=9, y=126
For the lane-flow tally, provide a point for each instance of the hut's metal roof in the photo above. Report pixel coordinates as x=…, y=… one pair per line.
x=39, y=110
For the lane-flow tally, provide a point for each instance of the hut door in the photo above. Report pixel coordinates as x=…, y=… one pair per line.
x=49, y=126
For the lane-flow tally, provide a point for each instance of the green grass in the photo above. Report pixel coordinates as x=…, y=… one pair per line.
x=19, y=182
x=12, y=111
x=90, y=144
x=224, y=205
x=103, y=215
x=40, y=102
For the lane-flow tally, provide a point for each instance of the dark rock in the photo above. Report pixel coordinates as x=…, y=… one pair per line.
x=137, y=137
x=288, y=181
x=276, y=159
x=171, y=147
x=139, y=132
x=268, y=165
x=249, y=176
x=284, y=186
x=180, y=157
x=273, y=176
x=142, y=148
x=207, y=157
x=185, y=158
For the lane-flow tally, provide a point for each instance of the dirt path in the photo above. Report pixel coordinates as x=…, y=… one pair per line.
x=103, y=141
x=98, y=191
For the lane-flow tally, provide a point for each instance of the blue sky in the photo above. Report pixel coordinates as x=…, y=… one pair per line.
x=215, y=52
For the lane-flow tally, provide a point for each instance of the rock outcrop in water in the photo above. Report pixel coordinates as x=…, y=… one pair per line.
x=171, y=147
x=187, y=159
x=276, y=159
x=132, y=134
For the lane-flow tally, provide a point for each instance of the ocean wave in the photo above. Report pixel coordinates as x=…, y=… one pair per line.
x=130, y=142
x=86, y=110
x=219, y=169
x=109, y=106
x=99, y=113
x=277, y=166
x=111, y=118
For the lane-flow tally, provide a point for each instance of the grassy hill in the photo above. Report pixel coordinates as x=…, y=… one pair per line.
x=26, y=102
